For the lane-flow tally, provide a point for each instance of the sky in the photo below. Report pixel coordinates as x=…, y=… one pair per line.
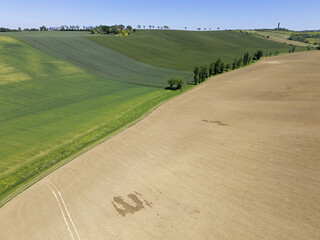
x=230, y=14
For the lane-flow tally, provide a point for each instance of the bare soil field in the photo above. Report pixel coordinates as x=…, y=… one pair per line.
x=236, y=158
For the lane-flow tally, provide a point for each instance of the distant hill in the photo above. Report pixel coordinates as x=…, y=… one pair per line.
x=184, y=49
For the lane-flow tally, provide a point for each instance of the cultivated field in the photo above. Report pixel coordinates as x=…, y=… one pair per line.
x=282, y=36
x=185, y=49
x=277, y=36
x=99, y=60
x=60, y=92
x=235, y=158
x=51, y=109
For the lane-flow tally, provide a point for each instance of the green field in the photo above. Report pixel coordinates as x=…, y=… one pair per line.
x=277, y=36
x=185, y=49
x=97, y=59
x=60, y=92
x=50, y=109
x=282, y=36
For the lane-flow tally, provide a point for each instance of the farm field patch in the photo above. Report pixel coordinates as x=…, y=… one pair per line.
x=51, y=109
x=184, y=50
x=99, y=60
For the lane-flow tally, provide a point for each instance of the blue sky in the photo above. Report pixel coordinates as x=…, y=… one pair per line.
x=231, y=14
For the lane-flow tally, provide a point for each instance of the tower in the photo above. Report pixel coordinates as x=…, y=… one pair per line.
x=278, y=25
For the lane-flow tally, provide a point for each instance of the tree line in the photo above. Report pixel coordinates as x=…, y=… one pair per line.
x=201, y=73
x=44, y=28
x=114, y=29
x=272, y=29
x=302, y=37
x=153, y=27
x=2, y=29
x=101, y=29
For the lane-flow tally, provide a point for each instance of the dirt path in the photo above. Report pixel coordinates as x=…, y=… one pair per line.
x=236, y=158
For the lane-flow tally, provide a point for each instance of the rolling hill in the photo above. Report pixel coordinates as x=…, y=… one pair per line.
x=97, y=59
x=60, y=92
x=183, y=50
x=51, y=109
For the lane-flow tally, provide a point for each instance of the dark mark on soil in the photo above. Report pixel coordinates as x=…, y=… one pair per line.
x=128, y=208
x=217, y=122
x=149, y=204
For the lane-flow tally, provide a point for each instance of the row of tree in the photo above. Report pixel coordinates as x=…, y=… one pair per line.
x=302, y=37
x=114, y=29
x=153, y=27
x=44, y=28
x=272, y=29
x=167, y=27
x=214, y=68
x=2, y=29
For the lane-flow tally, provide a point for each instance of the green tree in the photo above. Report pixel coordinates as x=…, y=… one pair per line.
x=175, y=83
x=258, y=54
x=234, y=64
x=211, y=69
x=196, y=77
x=204, y=73
x=43, y=28
x=171, y=82
x=228, y=66
x=239, y=61
x=221, y=67
x=180, y=82
x=245, y=59
x=217, y=66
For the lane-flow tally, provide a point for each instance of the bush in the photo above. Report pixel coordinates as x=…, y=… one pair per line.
x=258, y=54
x=176, y=83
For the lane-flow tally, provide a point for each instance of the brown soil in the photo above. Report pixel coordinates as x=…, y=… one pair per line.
x=236, y=158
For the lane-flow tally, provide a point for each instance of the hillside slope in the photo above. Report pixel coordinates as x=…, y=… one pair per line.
x=51, y=109
x=185, y=49
x=237, y=158
x=100, y=60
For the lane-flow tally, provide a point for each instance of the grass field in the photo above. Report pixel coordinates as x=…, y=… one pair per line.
x=50, y=109
x=97, y=59
x=185, y=49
